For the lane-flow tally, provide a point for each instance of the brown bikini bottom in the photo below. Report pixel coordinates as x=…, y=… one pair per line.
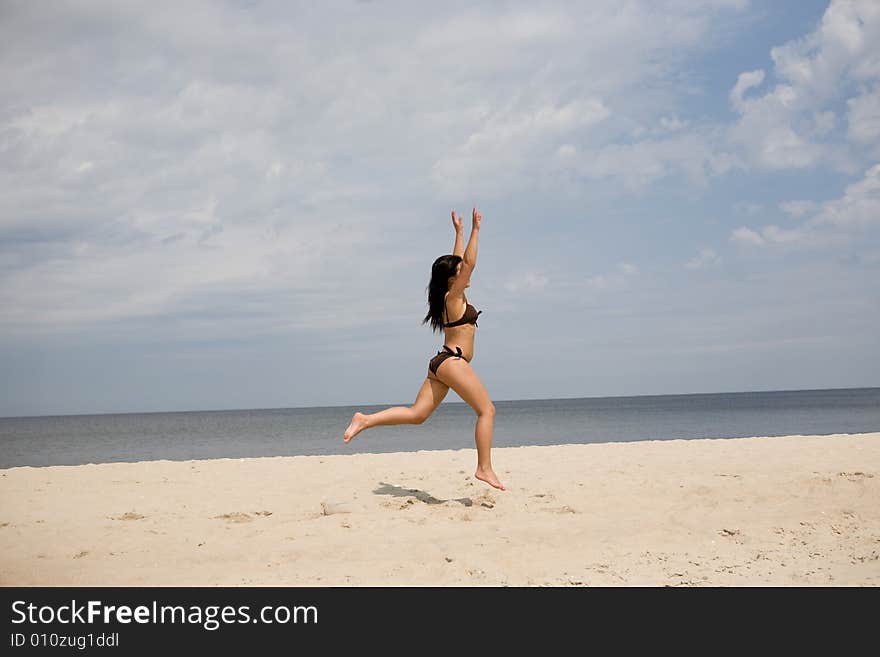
x=442, y=355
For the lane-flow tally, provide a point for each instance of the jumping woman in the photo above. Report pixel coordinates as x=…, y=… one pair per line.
x=450, y=368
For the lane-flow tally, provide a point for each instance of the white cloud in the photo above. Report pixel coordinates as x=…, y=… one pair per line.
x=844, y=44
x=776, y=235
x=504, y=147
x=791, y=125
x=528, y=282
x=745, y=207
x=745, y=235
x=864, y=117
x=599, y=282
x=772, y=236
x=153, y=156
x=797, y=208
x=744, y=82
x=766, y=133
x=859, y=207
x=672, y=124
x=617, y=279
x=516, y=29
x=822, y=123
x=834, y=222
x=503, y=143
x=706, y=258
x=692, y=155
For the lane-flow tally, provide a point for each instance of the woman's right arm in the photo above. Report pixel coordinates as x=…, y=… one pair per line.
x=470, y=253
x=469, y=260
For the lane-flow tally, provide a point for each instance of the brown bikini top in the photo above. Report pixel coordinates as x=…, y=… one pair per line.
x=469, y=317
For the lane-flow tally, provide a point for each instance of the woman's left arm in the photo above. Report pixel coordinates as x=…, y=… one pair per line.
x=458, y=249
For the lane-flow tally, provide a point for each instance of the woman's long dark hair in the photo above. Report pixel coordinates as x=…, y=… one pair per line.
x=443, y=269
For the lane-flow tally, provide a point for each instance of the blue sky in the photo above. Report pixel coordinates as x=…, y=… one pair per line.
x=236, y=204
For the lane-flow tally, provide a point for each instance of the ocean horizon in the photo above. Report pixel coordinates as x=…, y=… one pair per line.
x=242, y=433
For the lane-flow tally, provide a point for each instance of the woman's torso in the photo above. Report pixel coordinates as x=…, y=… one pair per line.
x=463, y=334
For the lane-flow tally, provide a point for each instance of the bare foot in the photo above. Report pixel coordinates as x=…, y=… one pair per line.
x=358, y=424
x=488, y=475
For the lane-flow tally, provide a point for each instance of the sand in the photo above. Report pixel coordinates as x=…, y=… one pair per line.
x=764, y=511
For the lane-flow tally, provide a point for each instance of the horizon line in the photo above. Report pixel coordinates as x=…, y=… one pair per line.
x=363, y=405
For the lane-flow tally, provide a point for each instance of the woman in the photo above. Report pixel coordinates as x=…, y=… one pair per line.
x=450, y=368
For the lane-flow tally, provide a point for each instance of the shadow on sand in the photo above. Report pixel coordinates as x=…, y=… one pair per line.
x=422, y=496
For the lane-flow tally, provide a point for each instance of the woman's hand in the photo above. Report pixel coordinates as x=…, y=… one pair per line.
x=477, y=218
x=456, y=222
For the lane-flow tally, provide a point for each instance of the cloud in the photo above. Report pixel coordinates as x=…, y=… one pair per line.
x=695, y=156
x=745, y=235
x=619, y=278
x=672, y=124
x=744, y=82
x=706, y=258
x=164, y=158
x=864, y=117
x=769, y=235
x=859, y=207
x=515, y=138
x=515, y=135
x=529, y=282
x=797, y=208
x=792, y=124
x=158, y=160
x=832, y=223
x=746, y=207
x=515, y=29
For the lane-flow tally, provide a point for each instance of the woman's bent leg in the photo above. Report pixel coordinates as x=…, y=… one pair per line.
x=458, y=375
x=430, y=395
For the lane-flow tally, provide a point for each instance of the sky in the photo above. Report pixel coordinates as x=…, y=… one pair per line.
x=229, y=205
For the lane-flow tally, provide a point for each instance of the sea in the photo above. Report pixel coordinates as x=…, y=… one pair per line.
x=186, y=435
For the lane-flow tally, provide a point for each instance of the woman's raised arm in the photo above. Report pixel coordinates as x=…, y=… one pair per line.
x=458, y=249
x=470, y=253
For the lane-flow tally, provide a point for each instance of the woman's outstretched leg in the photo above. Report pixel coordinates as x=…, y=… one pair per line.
x=459, y=375
x=427, y=401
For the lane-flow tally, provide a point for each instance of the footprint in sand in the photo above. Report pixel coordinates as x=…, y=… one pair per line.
x=235, y=516
x=239, y=516
x=81, y=554
x=855, y=476
x=561, y=509
x=485, y=499
x=128, y=515
x=332, y=508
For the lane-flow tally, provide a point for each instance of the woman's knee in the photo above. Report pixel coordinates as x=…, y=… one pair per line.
x=488, y=410
x=419, y=415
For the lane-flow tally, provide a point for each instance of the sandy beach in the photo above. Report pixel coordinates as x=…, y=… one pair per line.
x=778, y=511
